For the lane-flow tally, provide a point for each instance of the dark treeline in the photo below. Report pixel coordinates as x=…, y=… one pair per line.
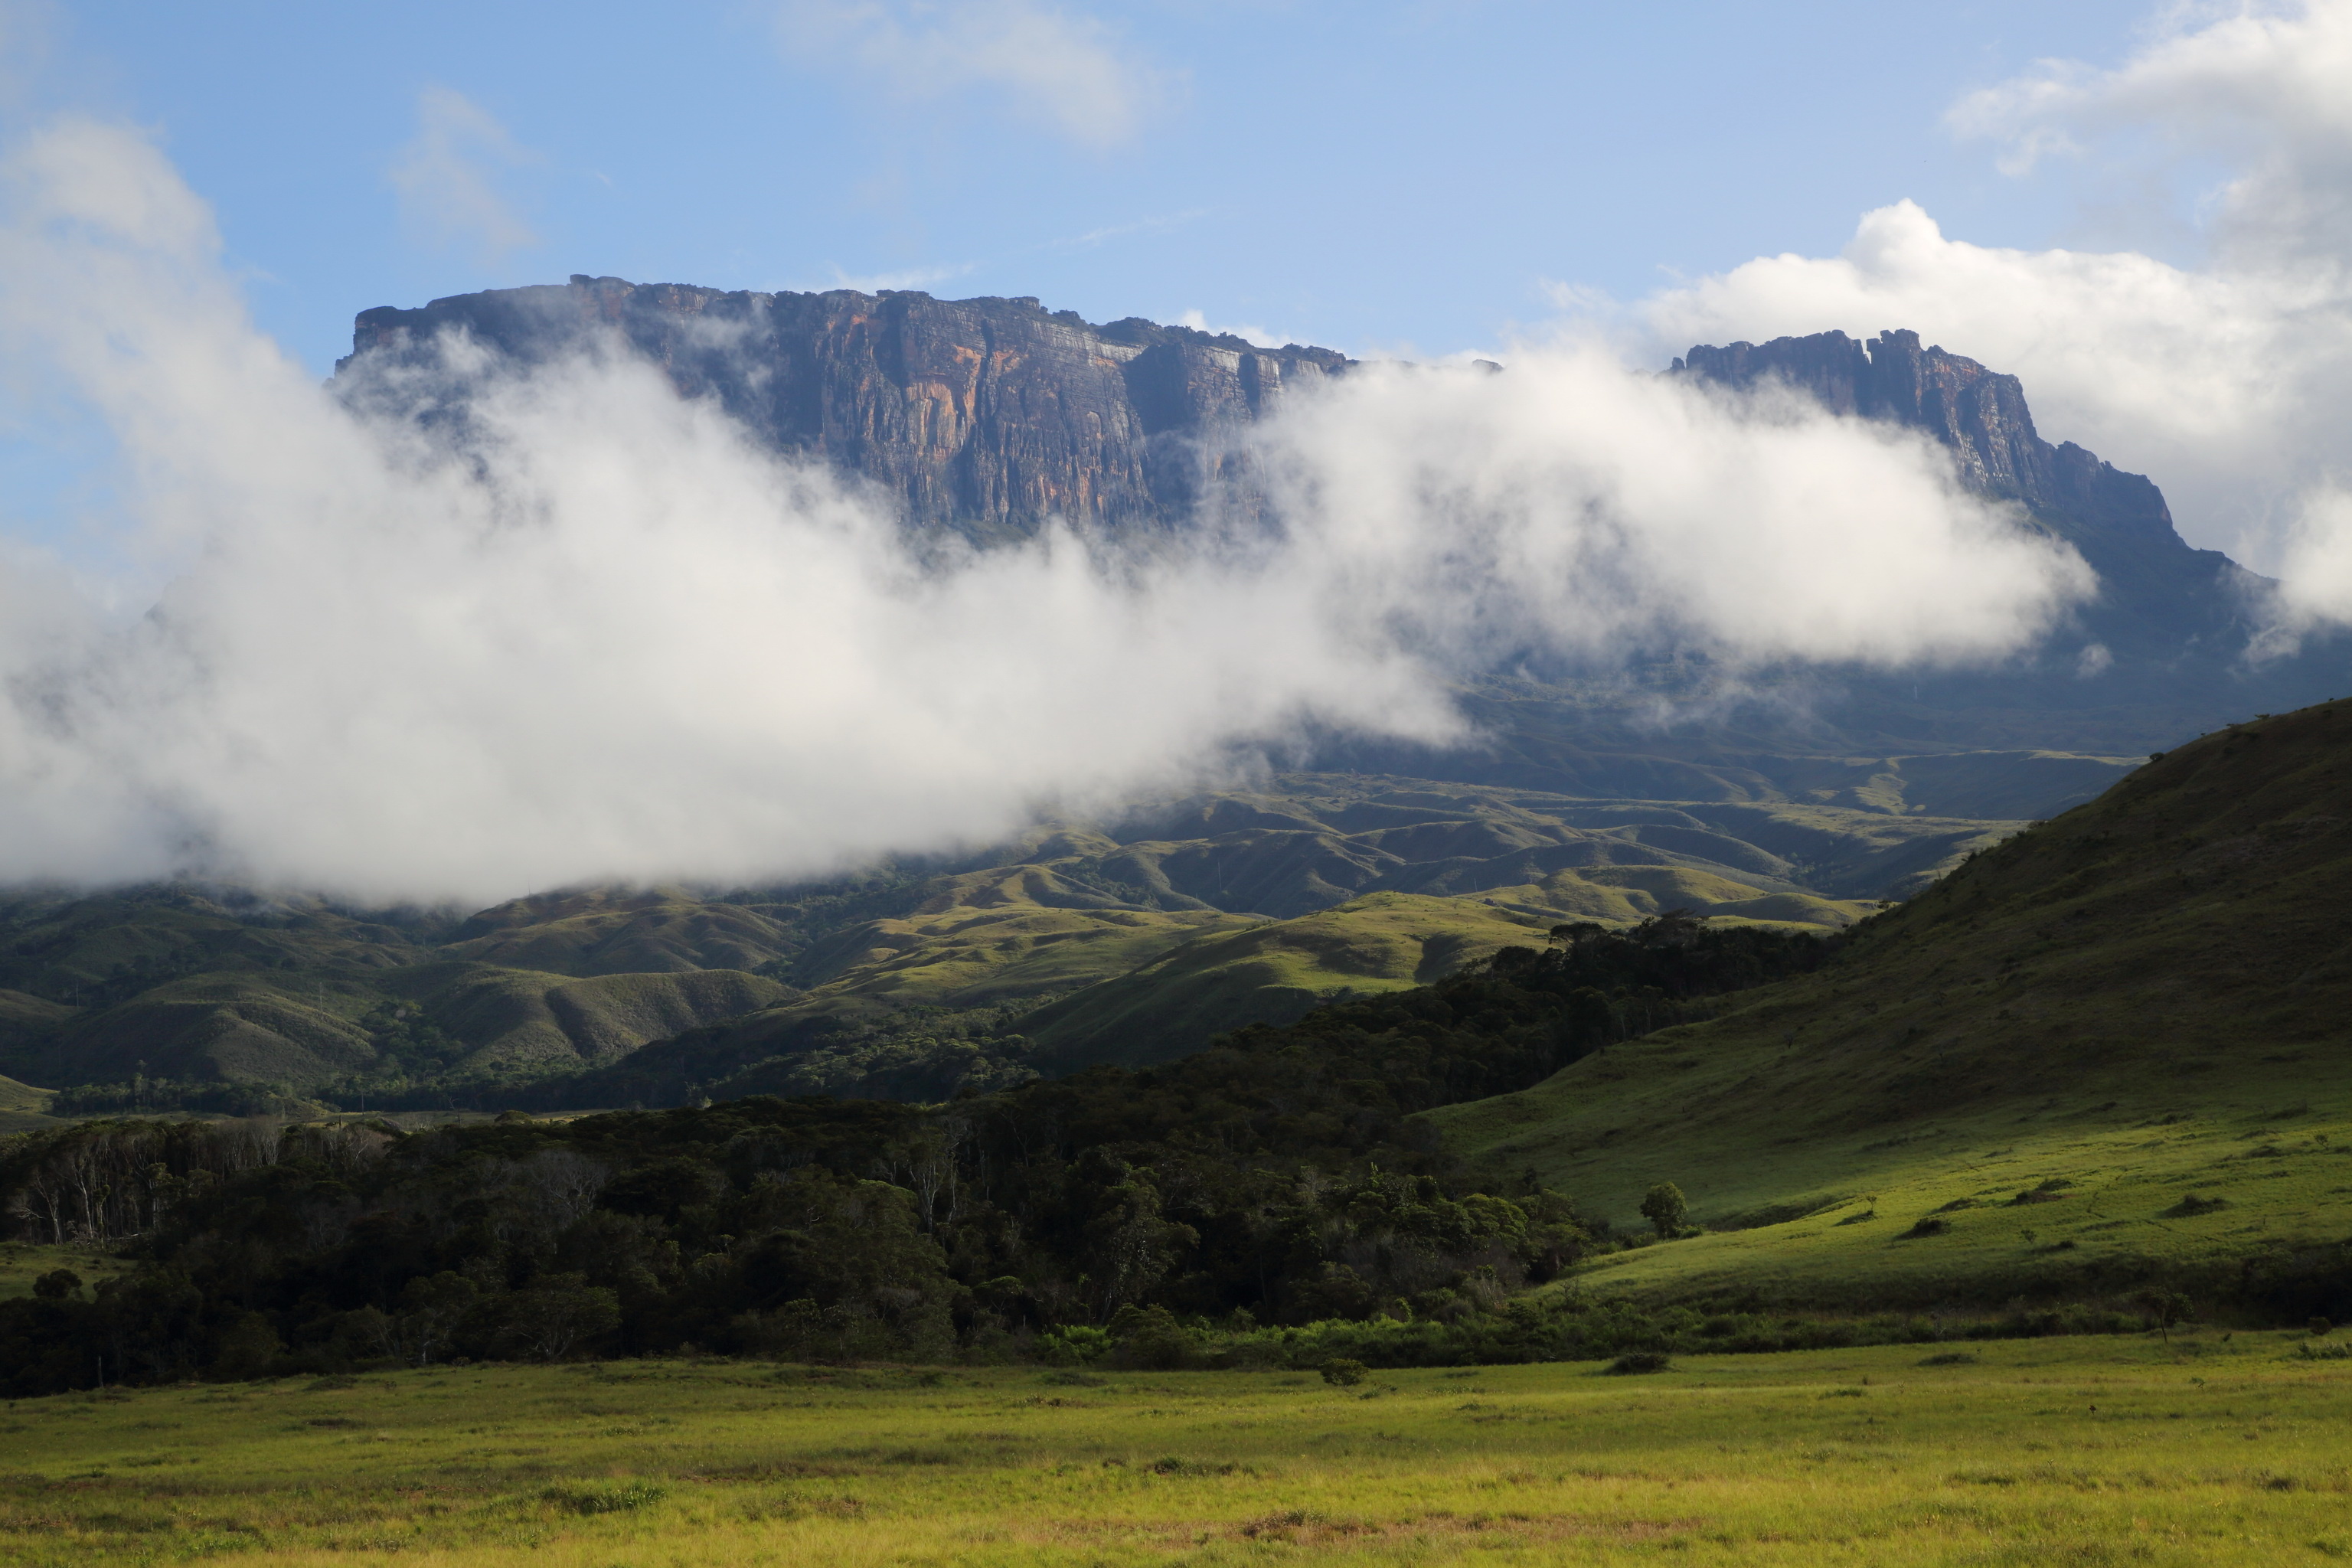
x=1275, y=1180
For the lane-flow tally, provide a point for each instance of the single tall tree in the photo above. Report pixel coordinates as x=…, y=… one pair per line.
x=1663, y=1207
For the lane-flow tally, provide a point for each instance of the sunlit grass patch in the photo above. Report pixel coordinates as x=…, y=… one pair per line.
x=2045, y=1450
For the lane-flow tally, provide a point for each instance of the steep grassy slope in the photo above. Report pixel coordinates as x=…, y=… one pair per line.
x=2144, y=998
x=621, y=931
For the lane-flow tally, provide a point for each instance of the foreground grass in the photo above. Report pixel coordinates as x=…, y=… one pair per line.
x=2214, y=1452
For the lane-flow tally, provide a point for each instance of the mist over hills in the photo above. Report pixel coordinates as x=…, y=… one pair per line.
x=1131, y=940
x=1789, y=793
x=990, y=418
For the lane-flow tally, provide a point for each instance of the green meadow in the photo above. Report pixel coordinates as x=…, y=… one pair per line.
x=2127, y=1175
x=2213, y=1448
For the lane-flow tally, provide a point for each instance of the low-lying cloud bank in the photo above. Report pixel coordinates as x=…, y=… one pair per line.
x=612, y=639
x=2229, y=379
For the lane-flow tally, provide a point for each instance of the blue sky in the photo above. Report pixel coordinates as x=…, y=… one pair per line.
x=1401, y=176
x=373, y=682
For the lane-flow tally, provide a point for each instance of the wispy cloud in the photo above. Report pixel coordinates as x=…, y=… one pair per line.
x=1165, y=223
x=905, y=278
x=1054, y=65
x=1199, y=322
x=447, y=178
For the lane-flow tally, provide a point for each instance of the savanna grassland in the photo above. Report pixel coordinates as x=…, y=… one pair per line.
x=2214, y=1449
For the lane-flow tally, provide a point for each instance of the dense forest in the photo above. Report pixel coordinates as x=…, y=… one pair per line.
x=1275, y=1180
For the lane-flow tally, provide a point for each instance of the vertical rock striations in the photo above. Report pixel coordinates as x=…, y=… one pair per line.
x=2157, y=592
x=989, y=417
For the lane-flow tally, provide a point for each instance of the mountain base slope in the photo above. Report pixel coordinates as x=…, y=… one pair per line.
x=2144, y=999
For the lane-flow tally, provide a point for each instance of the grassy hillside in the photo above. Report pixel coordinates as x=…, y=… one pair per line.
x=2134, y=1013
x=1273, y=974
x=622, y=931
x=200, y=985
x=22, y=1107
x=1005, y=933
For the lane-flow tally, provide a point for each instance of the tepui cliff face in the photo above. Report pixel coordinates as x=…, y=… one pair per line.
x=989, y=417
x=2155, y=591
x=992, y=416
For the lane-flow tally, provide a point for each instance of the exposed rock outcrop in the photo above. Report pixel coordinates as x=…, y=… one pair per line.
x=2157, y=594
x=988, y=415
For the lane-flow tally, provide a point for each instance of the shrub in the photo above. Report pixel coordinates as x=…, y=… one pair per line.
x=1151, y=1339
x=1929, y=1226
x=1340, y=1372
x=1640, y=1361
x=1074, y=1344
x=605, y=1497
x=56, y=1285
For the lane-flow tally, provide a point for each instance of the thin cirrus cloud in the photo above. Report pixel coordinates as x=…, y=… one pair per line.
x=448, y=176
x=593, y=631
x=1050, y=65
x=906, y=278
x=2225, y=378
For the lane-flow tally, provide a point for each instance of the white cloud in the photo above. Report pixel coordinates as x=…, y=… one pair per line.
x=2220, y=384
x=2224, y=380
x=2267, y=88
x=447, y=178
x=1573, y=503
x=1052, y=65
x=611, y=639
x=1199, y=322
x=2318, y=567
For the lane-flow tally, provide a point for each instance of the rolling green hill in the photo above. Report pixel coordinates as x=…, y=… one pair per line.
x=2117, y=1045
x=1272, y=974
x=194, y=984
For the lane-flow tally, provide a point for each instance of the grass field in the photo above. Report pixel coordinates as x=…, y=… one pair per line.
x=2124, y=1172
x=22, y=1263
x=2209, y=1451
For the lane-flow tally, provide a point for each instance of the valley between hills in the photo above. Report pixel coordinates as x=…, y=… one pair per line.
x=1682, y=1011
x=1077, y=944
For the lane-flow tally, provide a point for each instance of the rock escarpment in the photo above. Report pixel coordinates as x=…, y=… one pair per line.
x=988, y=416
x=2157, y=592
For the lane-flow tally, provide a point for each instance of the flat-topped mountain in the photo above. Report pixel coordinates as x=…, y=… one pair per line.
x=989, y=415
x=2158, y=596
